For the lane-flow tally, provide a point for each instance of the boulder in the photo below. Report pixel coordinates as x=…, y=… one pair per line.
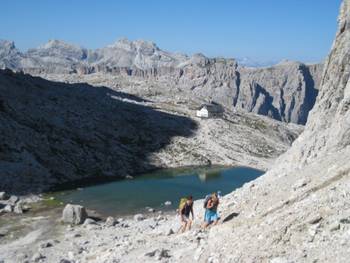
x=13, y=200
x=3, y=196
x=74, y=214
x=110, y=221
x=8, y=209
x=18, y=209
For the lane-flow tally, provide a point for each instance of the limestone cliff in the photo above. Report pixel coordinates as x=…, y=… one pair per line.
x=284, y=92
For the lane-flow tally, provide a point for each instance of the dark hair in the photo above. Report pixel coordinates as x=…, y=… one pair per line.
x=190, y=197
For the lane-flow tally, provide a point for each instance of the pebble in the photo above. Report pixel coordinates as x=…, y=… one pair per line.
x=89, y=221
x=334, y=226
x=45, y=244
x=315, y=219
x=139, y=217
x=37, y=257
x=110, y=221
x=170, y=232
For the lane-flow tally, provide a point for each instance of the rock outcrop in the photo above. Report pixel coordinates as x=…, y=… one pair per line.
x=285, y=92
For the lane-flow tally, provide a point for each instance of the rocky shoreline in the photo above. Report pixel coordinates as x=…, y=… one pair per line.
x=82, y=235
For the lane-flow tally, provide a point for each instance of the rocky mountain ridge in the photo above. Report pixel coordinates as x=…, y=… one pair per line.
x=285, y=92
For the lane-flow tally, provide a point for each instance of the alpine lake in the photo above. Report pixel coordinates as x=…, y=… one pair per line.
x=160, y=190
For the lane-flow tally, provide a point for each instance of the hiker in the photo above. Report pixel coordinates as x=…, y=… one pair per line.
x=211, y=214
x=186, y=207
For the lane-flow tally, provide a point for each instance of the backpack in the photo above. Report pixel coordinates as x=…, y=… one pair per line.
x=182, y=203
x=207, y=197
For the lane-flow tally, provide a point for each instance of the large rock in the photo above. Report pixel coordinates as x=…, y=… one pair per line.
x=18, y=208
x=3, y=196
x=74, y=214
x=13, y=200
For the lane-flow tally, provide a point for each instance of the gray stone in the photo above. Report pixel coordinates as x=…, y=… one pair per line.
x=159, y=254
x=167, y=203
x=18, y=209
x=37, y=257
x=13, y=200
x=170, y=232
x=89, y=221
x=46, y=244
x=139, y=217
x=74, y=214
x=8, y=209
x=334, y=226
x=3, y=196
x=110, y=221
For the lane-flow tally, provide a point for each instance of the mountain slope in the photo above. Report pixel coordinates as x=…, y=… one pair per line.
x=83, y=132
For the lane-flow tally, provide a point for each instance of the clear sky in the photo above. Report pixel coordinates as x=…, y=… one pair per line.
x=261, y=29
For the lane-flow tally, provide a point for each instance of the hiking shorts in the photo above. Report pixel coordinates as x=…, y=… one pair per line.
x=185, y=218
x=210, y=216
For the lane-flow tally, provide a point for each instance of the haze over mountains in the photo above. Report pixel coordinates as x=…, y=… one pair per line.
x=285, y=92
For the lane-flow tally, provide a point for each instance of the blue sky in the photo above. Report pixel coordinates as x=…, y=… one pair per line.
x=261, y=29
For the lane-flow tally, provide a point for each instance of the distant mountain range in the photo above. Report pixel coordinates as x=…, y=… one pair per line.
x=286, y=91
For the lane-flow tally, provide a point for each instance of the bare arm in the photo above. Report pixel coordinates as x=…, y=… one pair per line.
x=210, y=204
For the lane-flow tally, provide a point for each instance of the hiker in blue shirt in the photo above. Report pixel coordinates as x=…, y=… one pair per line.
x=211, y=211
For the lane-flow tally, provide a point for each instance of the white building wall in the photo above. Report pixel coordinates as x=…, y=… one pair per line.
x=203, y=113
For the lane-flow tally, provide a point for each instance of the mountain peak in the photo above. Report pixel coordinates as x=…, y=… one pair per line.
x=134, y=45
x=55, y=43
x=7, y=44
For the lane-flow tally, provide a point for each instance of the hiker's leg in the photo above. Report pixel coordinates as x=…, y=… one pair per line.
x=189, y=224
x=205, y=225
x=183, y=225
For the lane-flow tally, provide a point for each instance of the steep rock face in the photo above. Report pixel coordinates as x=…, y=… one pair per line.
x=299, y=210
x=328, y=128
x=10, y=57
x=284, y=92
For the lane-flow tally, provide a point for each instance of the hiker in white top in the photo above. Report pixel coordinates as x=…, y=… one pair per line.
x=185, y=209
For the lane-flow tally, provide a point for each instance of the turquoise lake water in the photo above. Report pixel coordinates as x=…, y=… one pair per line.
x=125, y=197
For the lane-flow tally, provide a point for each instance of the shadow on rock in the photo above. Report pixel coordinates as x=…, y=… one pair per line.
x=54, y=133
x=230, y=217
